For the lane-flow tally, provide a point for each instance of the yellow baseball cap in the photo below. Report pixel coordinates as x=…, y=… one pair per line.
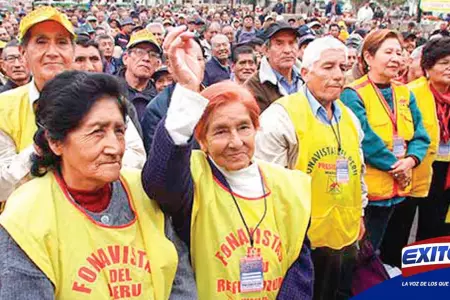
x=41, y=14
x=143, y=36
x=2, y=44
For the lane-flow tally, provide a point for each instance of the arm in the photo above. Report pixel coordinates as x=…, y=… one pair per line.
x=276, y=140
x=134, y=156
x=13, y=167
x=298, y=282
x=20, y=278
x=166, y=176
x=376, y=153
x=184, y=287
x=420, y=142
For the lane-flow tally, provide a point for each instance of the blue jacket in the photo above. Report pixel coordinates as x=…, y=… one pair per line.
x=338, y=8
x=279, y=8
x=215, y=72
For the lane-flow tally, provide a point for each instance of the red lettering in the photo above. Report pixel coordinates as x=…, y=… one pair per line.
x=114, y=253
x=243, y=237
x=266, y=267
x=125, y=255
x=133, y=257
x=266, y=239
x=100, y=262
x=147, y=267
x=232, y=241
x=276, y=239
x=257, y=236
x=141, y=254
x=103, y=257
x=279, y=252
x=87, y=274
x=225, y=250
x=124, y=275
x=136, y=289
x=113, y=276
x=220, y=285
x=115, y=292
x=125, y=291
x=80, y=288
x=221, y=258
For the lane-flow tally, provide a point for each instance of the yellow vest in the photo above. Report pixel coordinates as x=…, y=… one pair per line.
x=336, y=207
x=423, y=173
x=17, y=116
x=88, y=260
x=381, y=184
x=219, y=239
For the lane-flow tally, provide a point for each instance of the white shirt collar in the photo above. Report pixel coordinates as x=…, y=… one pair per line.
x=33, y=92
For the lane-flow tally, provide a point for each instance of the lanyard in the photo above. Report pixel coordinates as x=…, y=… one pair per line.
x=392, y=114
x=250, y=234
x=338, y=134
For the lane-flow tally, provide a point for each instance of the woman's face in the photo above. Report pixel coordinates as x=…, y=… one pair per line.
x=91, y=155
x=230, y=137
x=387, y=60
x=440, y=72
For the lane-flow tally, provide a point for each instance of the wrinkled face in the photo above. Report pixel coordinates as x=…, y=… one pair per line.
x=244, y=67
x=229, y=33
x=352, y=56
x=142, y=61
x=163, y=82
x=49, y=51
x=283, y=50
x=4, y=36
x=14, y=64
x=440, y=72
x=221, y=48
x=211, y=32
x=100, y=17
x=87, y=59
x=157, y=31
x=334, y=31
x=325, y=78
x=106, y=46
x=415, y=70
x=93, y=151
x=386, y=61
x=230, y=137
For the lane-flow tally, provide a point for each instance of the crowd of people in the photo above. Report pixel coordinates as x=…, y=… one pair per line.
x=214, y=152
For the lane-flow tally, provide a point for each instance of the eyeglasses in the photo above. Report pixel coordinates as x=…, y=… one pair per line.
x=12, y=58
x=142, y=52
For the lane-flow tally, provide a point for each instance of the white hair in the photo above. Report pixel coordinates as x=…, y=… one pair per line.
x=417, y=52
x=218, y=37
x=159, y=25
x=315, y=49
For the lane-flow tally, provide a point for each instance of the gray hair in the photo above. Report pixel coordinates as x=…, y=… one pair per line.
x=314, y=50
x=218, y=36
x=159, y=25
x=417, y=52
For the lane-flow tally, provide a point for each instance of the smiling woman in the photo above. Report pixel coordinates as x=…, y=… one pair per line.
x=86, y=220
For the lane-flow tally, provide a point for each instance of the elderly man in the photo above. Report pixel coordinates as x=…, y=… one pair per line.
x=218, y=67
x=14, y=66
x=213, y=29
x=4, y=36
x=277, y=75
x=314, y=132
x=158, y=31
x=244, y=64
x=141, y=59
x=106, y=47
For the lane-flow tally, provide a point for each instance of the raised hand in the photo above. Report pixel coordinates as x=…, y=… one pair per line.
x=184, y=54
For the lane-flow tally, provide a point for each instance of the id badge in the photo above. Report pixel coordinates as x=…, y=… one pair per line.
x=342, y=173
x=444, y=150
x=251, y=271
x=399, y=147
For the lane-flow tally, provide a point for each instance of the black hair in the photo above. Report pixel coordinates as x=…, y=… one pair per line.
x=62, y=104
x=334, y=25
x=242, y=50
x=433, y=51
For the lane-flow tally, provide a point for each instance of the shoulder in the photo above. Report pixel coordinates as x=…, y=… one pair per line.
x=13, y=98
x=253, y=81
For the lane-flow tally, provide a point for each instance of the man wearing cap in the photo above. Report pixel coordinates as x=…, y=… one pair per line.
x=218, y=67
x=248, y=32
x=409, y=41
x=313, y=132
x=92, y=21
x=279, y=7
x=123, y=37
x=306, y=36
x=46, y=38
x=277, y=75
x=162, y=79
x=141, y=59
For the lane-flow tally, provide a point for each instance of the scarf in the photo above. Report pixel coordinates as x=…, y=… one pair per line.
x=443, y=113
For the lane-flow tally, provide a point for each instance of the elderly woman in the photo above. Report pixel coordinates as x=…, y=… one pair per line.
x=84, y=229
x=245, y=220
x=395, y=140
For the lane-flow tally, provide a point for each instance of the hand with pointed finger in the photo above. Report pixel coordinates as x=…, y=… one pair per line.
x=184, y=54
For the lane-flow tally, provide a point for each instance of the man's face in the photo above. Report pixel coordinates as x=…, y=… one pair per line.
x=106, y=46
x=225, y=18
x=334, y=31
x=221, y=48
x=49, y=51
x=4, y=36
x=142, y=61
x=216, y=17
x=325, y=78
x=211, y=32
x=163, y=82
x=244, y=67
x=15, y=26
x=100, y=17
x=74, y=21
x=409, y=45
x=14, y=64
x=236, y=25
x=9, y=28
x=87, y=59
x=100, y=31
x=157, y=31
x=127, y=28
x=352, y=56
x=282, y=51
x=248, y=23
x=229, y=33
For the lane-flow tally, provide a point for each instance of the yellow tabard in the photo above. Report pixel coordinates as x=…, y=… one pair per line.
x=336, y=207
x=423, y=173
x=381, y=184
x=17, y=116
x=219, y=238
x=89, y=260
